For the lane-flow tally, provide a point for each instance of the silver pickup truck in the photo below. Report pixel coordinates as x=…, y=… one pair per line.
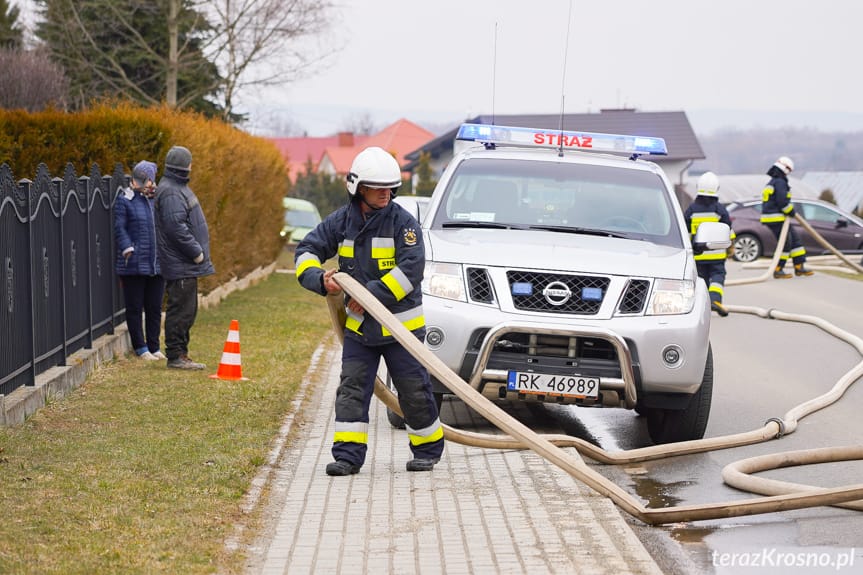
x=559, y=270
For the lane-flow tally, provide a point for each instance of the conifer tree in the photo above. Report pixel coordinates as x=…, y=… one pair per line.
x=11, y=35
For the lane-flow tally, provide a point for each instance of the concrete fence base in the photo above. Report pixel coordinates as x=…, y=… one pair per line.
x=56, y=382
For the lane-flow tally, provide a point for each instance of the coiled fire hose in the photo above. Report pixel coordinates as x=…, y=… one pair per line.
x=780, y=496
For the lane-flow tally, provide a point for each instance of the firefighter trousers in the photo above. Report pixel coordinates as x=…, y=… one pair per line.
x=411, y=380
x=793, y=246
x=713, y=274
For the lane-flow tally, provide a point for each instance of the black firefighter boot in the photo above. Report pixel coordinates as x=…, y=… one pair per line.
x=800, y=270
x=781, y=274
x=421, y=464
x=341, y=467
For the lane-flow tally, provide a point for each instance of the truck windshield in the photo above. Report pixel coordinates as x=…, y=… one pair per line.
x=556, y=195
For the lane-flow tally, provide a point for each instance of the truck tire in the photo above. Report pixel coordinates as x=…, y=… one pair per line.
x=673, y=425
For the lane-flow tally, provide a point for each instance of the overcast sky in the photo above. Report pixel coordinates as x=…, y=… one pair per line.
x=747, y=62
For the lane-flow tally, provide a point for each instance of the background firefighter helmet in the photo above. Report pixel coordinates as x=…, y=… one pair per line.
x=785, y=164
x=708, y=185
x=375, y=168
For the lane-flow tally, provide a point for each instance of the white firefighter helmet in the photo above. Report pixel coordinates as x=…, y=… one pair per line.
x=708, y=185
x=375, y=168
x=785, y=164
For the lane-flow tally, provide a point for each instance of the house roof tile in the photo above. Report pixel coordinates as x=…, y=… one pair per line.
x=398, y=138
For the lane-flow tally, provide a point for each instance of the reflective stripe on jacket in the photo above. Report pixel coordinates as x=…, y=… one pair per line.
x=384, y=252
x=776, y=200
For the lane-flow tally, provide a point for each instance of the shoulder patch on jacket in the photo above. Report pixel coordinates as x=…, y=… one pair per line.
x=410, y=237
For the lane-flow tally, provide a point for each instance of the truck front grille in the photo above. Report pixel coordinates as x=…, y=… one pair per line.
x=634, y=296
x=479, y=285
x=557, y=293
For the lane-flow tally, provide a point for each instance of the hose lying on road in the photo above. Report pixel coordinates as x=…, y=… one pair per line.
x=549, y=447
x=818, y=238
x=773, y=261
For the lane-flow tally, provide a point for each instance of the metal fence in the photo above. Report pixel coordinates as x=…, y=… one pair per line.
x=59, y=291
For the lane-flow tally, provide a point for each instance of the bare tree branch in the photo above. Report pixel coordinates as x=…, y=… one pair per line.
x=261, y=42
x=29, y=80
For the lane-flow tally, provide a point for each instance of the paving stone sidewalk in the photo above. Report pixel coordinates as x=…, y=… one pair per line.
x=480, y=511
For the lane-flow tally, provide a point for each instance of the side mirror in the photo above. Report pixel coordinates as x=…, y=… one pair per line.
x=841, y=223
x=711, y=236
x=409, y=204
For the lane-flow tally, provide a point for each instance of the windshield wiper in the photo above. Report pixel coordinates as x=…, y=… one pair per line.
x=585, y=231
x=474, y=224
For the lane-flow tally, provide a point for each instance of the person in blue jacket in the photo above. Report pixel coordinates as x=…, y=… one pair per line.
x=380, y=245
x=137, y=263
x=184, y=254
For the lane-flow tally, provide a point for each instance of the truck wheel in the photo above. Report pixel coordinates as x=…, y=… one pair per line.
x=673, y=425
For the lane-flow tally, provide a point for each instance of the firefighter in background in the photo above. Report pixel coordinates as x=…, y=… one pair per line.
x=709, y=263
x=381, y=246
x=775, y=207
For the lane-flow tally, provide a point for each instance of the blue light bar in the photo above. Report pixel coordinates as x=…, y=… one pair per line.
x=568, y=140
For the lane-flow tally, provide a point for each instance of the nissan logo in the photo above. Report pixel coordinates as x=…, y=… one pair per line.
x=557, y=293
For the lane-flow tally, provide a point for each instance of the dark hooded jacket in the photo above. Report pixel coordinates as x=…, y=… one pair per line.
x=181, y=229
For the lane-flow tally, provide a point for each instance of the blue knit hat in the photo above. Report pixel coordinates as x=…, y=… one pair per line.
x=144, y=171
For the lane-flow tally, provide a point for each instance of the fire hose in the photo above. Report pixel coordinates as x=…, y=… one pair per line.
x=778, y=496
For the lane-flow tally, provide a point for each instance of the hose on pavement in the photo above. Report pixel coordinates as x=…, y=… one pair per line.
x=778, y=498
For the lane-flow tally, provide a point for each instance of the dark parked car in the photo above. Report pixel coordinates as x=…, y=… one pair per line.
x=754, y=239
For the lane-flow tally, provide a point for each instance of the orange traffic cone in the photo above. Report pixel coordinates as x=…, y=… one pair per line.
x=229, y=365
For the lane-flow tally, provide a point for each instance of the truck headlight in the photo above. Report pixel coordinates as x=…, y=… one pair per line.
x=444, y=280
x=672, y=297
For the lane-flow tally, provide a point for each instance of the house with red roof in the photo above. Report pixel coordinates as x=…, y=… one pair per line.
x=300, y=152
x=335, y=154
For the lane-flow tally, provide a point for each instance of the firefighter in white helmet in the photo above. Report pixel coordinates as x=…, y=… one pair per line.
x=710, y=263
x=380, y=245
x=775, y=207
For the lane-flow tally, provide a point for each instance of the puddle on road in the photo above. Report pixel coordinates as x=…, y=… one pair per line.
x=688, y=534
x=658, y=495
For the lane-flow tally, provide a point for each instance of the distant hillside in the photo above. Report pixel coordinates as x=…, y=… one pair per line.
x=754, y=151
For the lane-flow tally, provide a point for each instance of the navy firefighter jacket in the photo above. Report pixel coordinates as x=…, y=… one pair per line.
x=384, y=253
x=776, y=198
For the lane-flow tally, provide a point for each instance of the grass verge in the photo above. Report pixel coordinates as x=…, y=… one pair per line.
x=143, y=469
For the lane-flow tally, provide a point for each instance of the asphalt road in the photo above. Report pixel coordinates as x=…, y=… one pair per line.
x=763, y=368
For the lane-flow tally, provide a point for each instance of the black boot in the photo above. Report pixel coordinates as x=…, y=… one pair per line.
x=719, y=308
x=800, y=270
x=421, y=464
x=342, y=467
x=781, y=274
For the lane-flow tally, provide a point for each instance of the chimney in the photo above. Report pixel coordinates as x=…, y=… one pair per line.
x=346, y=139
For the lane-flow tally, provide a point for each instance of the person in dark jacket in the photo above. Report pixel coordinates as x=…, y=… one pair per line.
x=380, y=245
x=775, y=207
x=709, y=263
x=137, y=264
x=184, y=254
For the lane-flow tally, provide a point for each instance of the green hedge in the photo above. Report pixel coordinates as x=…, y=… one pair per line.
x=240, y=179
